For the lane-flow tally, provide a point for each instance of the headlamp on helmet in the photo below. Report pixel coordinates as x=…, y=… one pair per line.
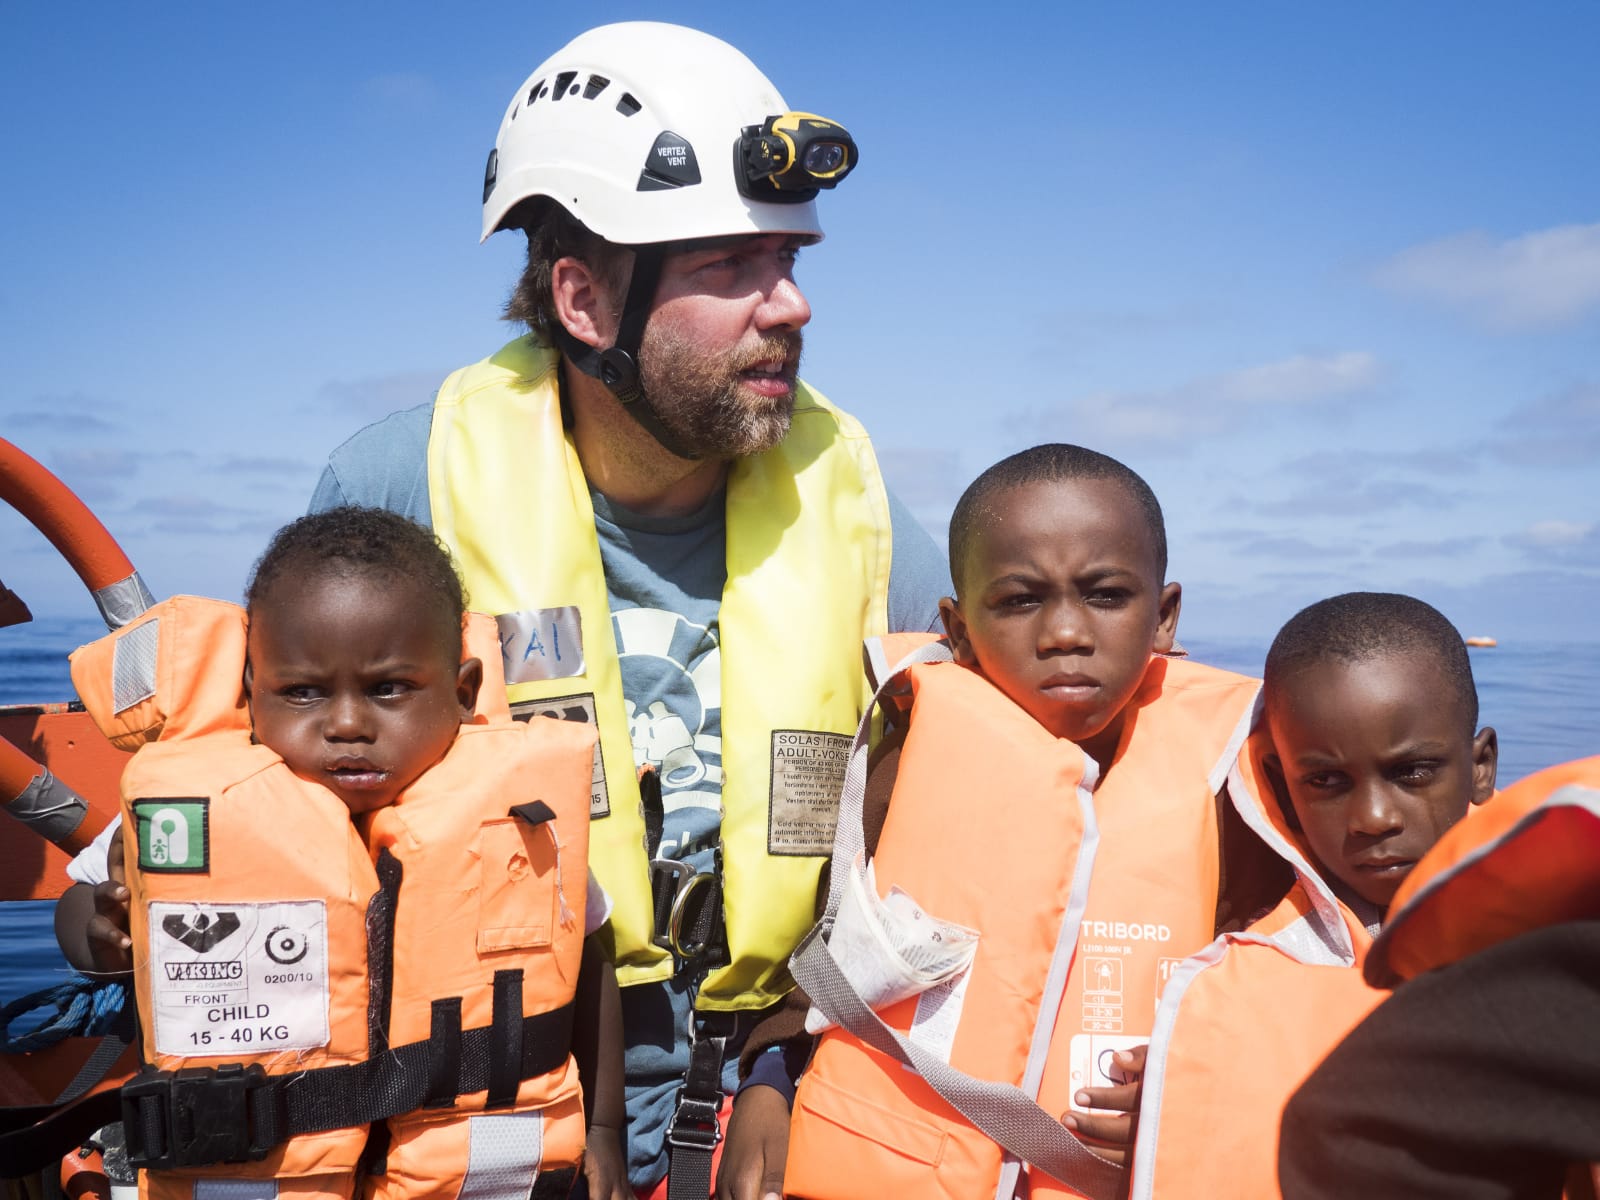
x=792, y=156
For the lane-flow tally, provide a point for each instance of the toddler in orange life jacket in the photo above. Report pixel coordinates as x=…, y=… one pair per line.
x=356, y=677
x=1057, y=794
x=1371, y=753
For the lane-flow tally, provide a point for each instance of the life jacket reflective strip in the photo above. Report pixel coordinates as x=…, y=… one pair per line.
x=1243, y=1022
x=1526, y=861
x=475, y=914
x=1006, y=838
x=509, y=497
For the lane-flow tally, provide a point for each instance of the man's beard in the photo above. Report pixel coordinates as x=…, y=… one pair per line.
x=698, y=398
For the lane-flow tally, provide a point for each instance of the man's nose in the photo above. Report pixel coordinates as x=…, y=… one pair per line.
x=785, y=306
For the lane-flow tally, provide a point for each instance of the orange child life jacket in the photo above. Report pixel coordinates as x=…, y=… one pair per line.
x=1243, y=1022
x=300, y=978
x=1081, y=894
x=1527, y=861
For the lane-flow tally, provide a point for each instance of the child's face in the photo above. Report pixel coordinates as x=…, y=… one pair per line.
x=353, y=683
x=1377, y=762
x=1061, y=605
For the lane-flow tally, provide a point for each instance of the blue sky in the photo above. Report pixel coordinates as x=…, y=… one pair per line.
x=1329, y=277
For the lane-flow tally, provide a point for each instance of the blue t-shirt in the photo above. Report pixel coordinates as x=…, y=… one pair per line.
x=664, y=578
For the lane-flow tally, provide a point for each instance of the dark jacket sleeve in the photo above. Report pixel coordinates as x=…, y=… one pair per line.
x=1478, y=1081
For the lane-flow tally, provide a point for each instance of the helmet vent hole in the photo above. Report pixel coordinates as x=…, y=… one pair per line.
x=627, y=106
x=596, y=85
x=535, y=92
x=563, y=82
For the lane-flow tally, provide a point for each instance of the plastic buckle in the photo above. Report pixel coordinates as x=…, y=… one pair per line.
x=193, y=1117
x=694, y=1123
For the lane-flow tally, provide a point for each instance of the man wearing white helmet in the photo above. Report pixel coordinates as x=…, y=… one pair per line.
x=683, y=543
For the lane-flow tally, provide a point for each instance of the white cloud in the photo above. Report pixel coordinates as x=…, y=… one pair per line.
x=1215, y=404
x=1556, y=533
x=1549, y=277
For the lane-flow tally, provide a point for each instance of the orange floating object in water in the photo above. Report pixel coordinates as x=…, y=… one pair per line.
x=1482, y=642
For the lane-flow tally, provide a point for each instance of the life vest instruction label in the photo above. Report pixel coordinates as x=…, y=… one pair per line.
x=938, y=1015
x=576, y=707
x=808, y=768
x=239, y=978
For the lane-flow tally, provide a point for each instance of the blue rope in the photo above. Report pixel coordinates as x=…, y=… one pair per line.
x=83, y=1008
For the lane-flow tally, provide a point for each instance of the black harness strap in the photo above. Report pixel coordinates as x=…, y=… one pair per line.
x=695, y=1129
x=187, y=1118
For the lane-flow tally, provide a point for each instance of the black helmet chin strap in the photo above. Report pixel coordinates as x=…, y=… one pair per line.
x=618, y=367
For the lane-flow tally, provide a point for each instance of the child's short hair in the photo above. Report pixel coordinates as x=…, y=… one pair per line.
x=361, y=541
x=1049, y=463
x=1363, y=625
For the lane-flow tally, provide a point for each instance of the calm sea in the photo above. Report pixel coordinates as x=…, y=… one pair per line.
x=1541, y=698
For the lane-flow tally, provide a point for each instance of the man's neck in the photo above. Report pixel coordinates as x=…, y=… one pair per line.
x=624, y=463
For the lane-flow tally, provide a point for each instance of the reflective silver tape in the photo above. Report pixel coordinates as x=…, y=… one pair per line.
x=235, y=1189
x=124, y=600
x=541, y=643
x=133, y=665
x=49, y=807
x=503, y=1157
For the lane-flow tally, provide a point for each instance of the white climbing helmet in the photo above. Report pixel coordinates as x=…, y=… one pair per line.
x=644, y=132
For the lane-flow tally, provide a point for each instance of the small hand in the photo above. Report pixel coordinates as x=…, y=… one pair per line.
x=1111, y=1136
x=603, y=1168
x=757, y=1145
x=110, y=947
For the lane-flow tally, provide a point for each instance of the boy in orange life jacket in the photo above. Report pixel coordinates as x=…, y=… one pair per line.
x=1060, y=627
x=1373, y=754
x=356, y=677
x=1373, y=716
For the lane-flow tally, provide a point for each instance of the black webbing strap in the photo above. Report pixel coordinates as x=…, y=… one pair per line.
x=506, y=1030
x=695, y=1130
x=444, y=1052
x=380, y=951
x=618, y=367
x=161, y=1108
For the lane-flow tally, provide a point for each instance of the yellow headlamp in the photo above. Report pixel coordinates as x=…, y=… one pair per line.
x=793, y=155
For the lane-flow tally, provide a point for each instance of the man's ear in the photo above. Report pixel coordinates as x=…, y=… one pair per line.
x=1485, y=763
x=583, y=303
x=1167, y=620
x=468, y=680
x=955, y=628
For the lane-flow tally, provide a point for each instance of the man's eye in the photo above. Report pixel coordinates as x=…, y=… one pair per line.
x=390, y=687
x=1017, y=600
x=300, y=693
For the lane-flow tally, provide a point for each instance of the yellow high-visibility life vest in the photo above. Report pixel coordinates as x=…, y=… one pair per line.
x=808, y=549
